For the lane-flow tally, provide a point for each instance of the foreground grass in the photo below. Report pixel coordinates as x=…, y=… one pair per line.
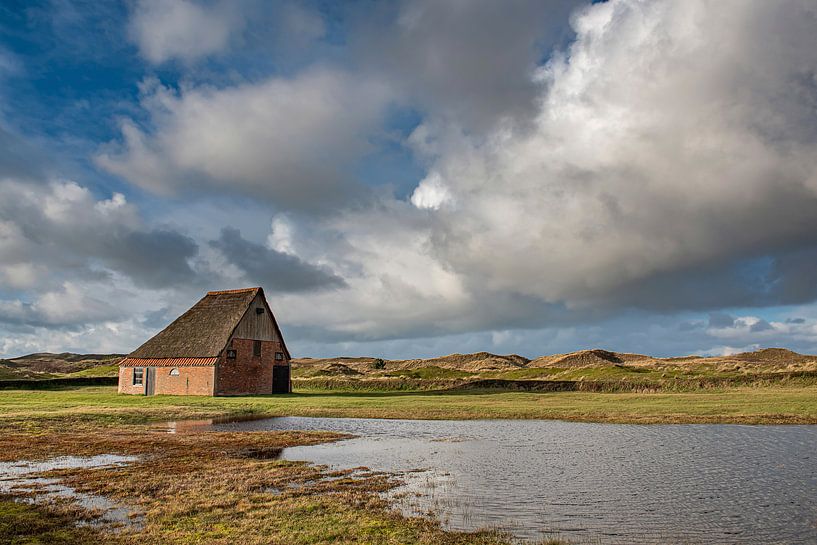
x=22, y=523
x=102, y=405
x=222, y=488
x=213, y=488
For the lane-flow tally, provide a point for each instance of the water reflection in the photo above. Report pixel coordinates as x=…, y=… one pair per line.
x=182, y=426
x=587, y=482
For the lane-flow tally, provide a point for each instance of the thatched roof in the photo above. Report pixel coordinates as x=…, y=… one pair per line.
x=202, y=331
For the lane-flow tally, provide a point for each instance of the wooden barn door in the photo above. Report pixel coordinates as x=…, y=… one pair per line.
x=280, y=379
x=150, y=381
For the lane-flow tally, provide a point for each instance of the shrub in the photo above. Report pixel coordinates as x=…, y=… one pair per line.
x=378, y=364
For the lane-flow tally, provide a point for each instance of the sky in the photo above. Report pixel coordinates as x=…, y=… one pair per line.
x=412, y=178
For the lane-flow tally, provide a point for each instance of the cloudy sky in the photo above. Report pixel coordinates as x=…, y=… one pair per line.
x=412, y=178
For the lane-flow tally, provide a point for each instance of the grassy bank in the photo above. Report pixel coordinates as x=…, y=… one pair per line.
x=527, y=381
x=213, y=488
x=101, y=405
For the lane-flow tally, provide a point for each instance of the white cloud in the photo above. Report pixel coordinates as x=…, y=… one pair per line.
x=393, y=285
x=183, y=29
x=70, y=304
x=292, y=141
x=668, y=141
x=20, y=276
x=729, y=350
x=61, y=231
x=73, y=303
x=655, y=145
x=99, y=338
x=281, y=233
x=668, y=137
x=431, y=193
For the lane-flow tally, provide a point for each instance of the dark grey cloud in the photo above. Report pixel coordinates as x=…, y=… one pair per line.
x=782, y=278
x=153, y=259
x=760, y=325
x=720, y=320
x=471, y=62
x=691, y=326
x=157, y=319
x=276, y=271
x=793, y=276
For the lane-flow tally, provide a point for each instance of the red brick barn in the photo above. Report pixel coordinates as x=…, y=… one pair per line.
x=227, y=344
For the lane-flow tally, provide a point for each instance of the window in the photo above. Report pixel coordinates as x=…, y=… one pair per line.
x=259, y=310
x=231, y=354
x=279, y=356
x=256, y=348
x=174, y=372
x=138, y=376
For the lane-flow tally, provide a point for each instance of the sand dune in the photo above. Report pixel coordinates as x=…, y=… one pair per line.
x=767, y=359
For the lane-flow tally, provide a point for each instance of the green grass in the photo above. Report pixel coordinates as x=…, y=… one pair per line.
x=100, y=371
x=104, y=405
x=618, y=372
x=10, y=374
x=526, y=373
x=429, y=373
x=27, y=524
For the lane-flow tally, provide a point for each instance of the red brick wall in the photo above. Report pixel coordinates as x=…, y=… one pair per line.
x=247, y=374
x=126, y=382
x=191, y=381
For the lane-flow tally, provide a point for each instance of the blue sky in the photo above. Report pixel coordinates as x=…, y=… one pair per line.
x=412, y=178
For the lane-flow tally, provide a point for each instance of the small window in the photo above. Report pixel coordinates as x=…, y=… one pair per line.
x=231, y=354
x=138, y=376
x=256, y=348
x=174, y=372
x=279, y=356
x=259, y=310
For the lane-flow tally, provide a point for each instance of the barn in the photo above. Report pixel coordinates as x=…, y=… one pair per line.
x=226, y=344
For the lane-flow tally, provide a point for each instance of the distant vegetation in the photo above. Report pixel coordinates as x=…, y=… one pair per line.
x=597, y=370
x=45, y=365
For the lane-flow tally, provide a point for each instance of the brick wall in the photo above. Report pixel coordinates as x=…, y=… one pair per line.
x=247, y=374
x=190, y=381
x=126, y=382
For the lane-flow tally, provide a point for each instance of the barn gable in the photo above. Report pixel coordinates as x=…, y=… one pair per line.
x=259, y=323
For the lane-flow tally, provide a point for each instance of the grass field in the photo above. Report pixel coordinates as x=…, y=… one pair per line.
x=223, y=488
x=751, y=405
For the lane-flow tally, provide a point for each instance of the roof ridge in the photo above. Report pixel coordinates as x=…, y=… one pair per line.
x=240, y=290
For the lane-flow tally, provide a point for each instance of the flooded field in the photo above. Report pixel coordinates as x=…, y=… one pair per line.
x=591, y=483
x=23, y=479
